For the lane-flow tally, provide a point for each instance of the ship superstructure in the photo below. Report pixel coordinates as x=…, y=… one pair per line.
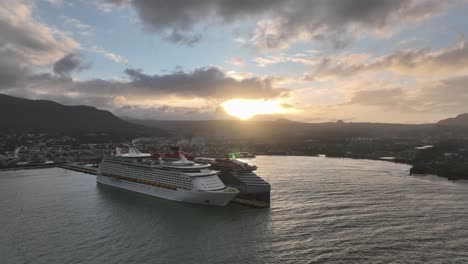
x=180, y=180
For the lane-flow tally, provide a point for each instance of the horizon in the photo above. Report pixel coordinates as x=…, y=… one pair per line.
x=399, y=62
x=231, y=118
x=233, y=131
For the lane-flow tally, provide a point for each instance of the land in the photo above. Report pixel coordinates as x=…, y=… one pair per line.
x=81, y=134
x=446, y=157
x=24, y=116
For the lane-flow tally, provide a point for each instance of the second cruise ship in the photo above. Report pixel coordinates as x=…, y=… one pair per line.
x=181, y=180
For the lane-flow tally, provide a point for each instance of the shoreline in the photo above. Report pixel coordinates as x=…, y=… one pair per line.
x=422, y=168
x=417, y=168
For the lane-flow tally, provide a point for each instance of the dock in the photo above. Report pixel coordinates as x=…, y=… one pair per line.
x=29, y=167
x=93, y=171
x=79, y=168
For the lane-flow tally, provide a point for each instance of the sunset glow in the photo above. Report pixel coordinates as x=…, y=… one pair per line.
x=308, y=61
x=246, y=109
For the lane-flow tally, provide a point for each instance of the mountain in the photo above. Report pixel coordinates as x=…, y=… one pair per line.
x=460, y=120
x=286, y=130
x=24, y=115
x=454, y=127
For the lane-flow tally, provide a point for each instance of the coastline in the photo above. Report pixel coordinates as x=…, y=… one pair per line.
x=443, y=170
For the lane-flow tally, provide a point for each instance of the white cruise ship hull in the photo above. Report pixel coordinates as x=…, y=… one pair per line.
x=219, y=198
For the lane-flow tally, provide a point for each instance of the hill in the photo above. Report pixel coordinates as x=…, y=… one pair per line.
x=460, y=120
x=286, y=130
x=24, y=115
x=454, y=127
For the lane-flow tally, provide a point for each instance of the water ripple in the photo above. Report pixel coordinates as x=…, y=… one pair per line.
x=323, y=211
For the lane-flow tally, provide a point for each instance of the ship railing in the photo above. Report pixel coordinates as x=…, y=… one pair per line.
x=141, y=181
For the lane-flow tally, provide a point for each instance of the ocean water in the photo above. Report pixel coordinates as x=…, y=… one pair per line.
x=323, y=211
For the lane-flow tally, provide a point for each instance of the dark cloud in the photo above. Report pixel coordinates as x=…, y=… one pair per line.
x=186, y=39
x=69, y=63
x=281, y=22
x=205, y=83
x=208, y=82
x=11, y=73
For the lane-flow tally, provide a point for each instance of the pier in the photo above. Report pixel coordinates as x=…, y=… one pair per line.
x=93, y=171
x=79, y=168
x=29, y=167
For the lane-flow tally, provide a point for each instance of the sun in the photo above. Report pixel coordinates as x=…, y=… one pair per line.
x=246, y=109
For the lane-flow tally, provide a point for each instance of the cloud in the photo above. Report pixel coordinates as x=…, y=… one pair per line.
x=11, y=73
x=279, y=23
x=236, y=61
x=429, y=97
x=109, y=55
x=56, y=3
x=381, y=97
x=29, y=40
x=423, y=81
x=78, y=26
x=244, y=75
x=186, y=39
x=446, y=95
x=269, y=60
x=167, y=112
x=446, y=62
x=26, y=43
x=306, y=58
x=380, y=101
x=210, y=82
x=69, y=63
x=103, y=7
x=203, y=84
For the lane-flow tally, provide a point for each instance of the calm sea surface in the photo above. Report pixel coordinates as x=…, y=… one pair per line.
x=323, y=211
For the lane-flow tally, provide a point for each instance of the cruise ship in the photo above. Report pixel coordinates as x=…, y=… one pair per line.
x=240, y=175
x=181, y=180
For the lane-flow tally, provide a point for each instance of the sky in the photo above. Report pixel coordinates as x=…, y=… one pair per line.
x=393, y=61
